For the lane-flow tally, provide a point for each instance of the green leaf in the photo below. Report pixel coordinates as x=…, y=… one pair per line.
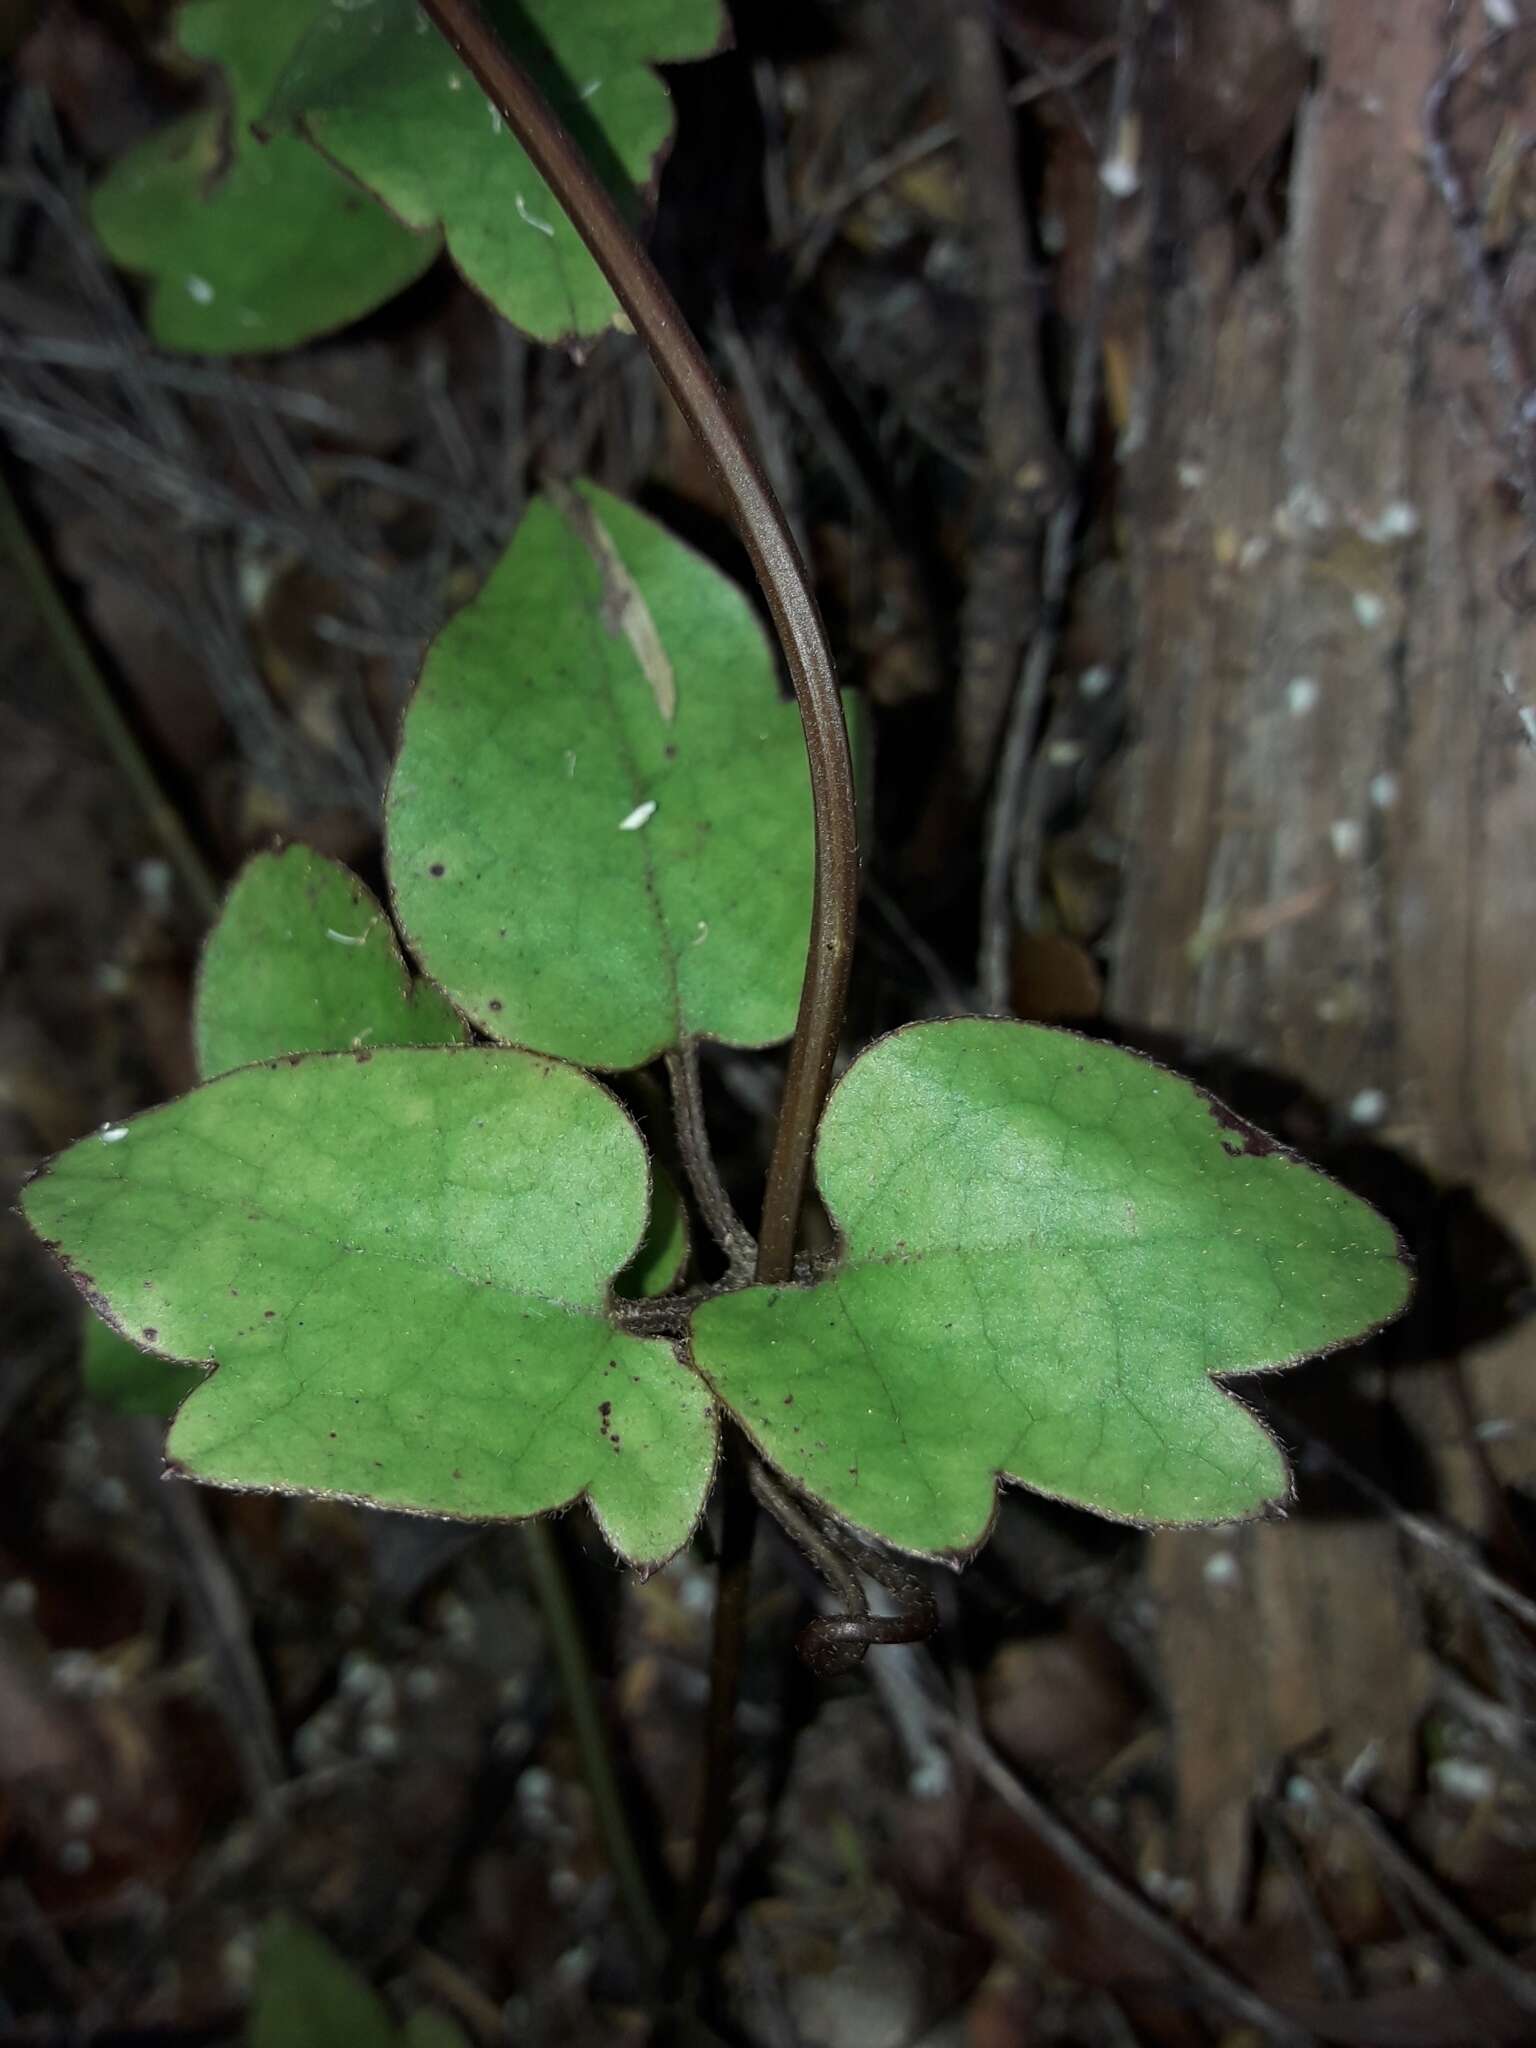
x=658, y=1265
x=303, y=959
x=130, y=1381
x=401, y=1262
x=248, y=247
x=1047, y=1246
x=599, y=829
x=306, y=1996
x=401, y=114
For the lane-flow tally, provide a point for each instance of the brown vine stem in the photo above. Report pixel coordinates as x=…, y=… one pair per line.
x=658, y=320
x=765, y=533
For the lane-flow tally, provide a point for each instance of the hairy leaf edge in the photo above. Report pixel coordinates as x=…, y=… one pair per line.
x=1272, y=1507
x=205, y=1369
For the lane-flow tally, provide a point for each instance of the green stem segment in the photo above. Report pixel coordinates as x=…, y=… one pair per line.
x=761, y=523
x=75, y=655
x=567, y=1642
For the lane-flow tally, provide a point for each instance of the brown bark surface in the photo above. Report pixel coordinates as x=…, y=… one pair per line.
x=1334, y=815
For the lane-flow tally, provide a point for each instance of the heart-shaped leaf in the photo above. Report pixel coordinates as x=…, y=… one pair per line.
x=406, y=119
x=303, y=959
x=599, y=829
x=401, y=1262
x=1047, y=1248
x=248, y=247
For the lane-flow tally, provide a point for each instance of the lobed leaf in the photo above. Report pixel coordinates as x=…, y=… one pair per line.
x=248, y=247
x=401, y=1263
x=303, y=959
x=599, y=828
x=372, y=86
x=1047, y=1247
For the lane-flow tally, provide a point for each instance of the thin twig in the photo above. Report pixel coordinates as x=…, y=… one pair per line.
x=697, y=1155
x=993, y=974
x=1517, y=1984
x=567, y=1640
x=1224, y=1990
x=75, y=656
x=817, y=230
x=216, y=1593
x=1430, y=1535
x=1023, y=474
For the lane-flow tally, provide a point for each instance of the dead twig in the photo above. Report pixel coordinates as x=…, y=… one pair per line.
x=1517, y=1984
x=1024, y=475
x=1002, y=854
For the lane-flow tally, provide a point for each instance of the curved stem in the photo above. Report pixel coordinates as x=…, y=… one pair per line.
x=639, y=288
x=709, y=1190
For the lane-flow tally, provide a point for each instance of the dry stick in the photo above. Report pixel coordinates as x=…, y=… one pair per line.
x=216, y=1594
x=709, y=1191
x=992, y=967
x=818, y=230
x=1122, y=1898
x=1517, y=1984
x=1024, y=475
x=698, y=396
x=76, y=657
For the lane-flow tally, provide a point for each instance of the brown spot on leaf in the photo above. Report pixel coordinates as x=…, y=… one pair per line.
x=495, y=1003
x=437, y=868
x=151, y=1332
x=1252, y=1142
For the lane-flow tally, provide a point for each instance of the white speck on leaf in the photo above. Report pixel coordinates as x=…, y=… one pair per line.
x=200, y=290
x=532, y=220
x=702, y=933
x=342, y=939
x=593, y=85
x=114, y=1133
x=642, y=814
x=570, y=762
x=455, y=81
